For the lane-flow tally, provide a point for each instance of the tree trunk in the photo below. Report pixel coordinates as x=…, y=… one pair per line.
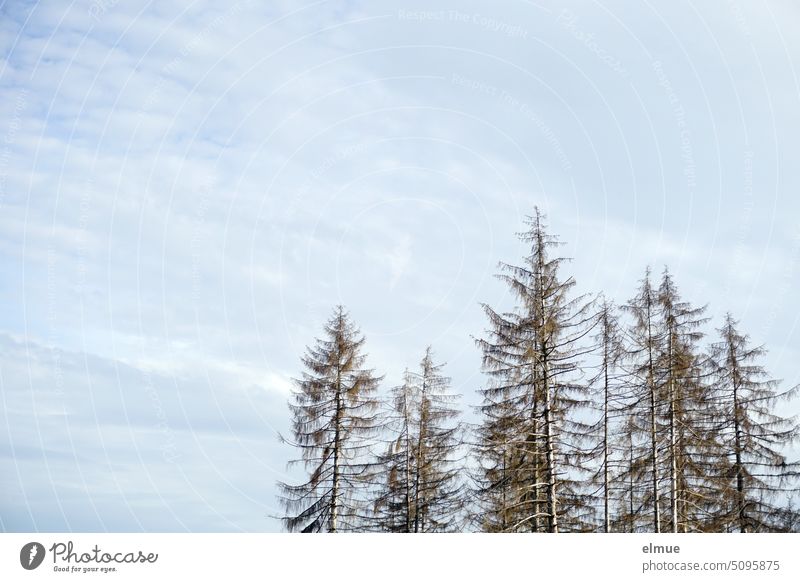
x=630, y=485
x=336, y=440
x=653, y=435
x=740, y=512
x=408, y=463
x=673, y=468
x=420, y=462
x=537, y=474
x=552, y=501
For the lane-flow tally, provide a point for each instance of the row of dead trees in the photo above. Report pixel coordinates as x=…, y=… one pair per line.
x=595, y=417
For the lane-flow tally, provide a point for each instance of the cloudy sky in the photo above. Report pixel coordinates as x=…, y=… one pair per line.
x=187, y=190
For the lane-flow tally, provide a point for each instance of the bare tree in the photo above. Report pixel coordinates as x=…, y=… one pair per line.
x=691, y=445
x=646, y=343
x=423, y=489
x=753, y=435
x=394, y=505
x=532, y=356
x=610, y=394
x=334, y=422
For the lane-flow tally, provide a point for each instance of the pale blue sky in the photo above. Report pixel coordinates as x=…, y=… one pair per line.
x=187, y=190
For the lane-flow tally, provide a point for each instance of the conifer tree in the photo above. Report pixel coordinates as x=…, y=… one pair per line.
x=423, y=491
x=645, y=345
x=610, y=392
x=334, y=423
x=394, y=506
x=759, y=474
x=532, y=356
x=691, y=446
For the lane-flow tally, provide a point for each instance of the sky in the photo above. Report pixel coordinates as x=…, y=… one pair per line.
x=188, y=189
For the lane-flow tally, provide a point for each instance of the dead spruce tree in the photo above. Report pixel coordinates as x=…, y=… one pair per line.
x=759, y=475
x=692, y=448
x=394, y=507
x=422, y=490
x=530, y=447
x=610, y=394
x=334, y=421
x=645, y=345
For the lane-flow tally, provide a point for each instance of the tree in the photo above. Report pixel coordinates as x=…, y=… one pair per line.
x=753, y=435
x=610, y=395
x=394, y=506
x=646, y=343
x=692, y=447
x=532, y=356
x=422, y=490
x=334, y=421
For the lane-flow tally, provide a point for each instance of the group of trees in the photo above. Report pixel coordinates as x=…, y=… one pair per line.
x=412, y=484
x=594, y=418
